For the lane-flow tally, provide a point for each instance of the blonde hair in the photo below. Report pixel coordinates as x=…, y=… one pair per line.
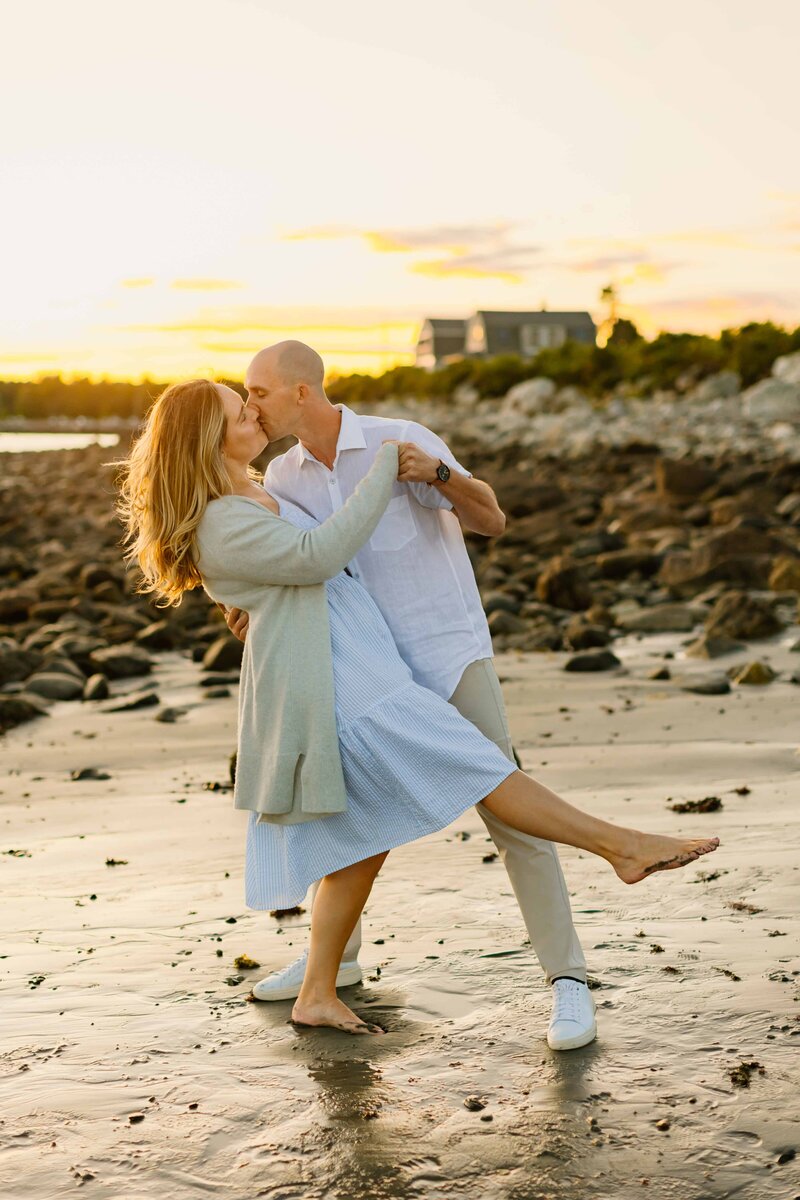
x=174, y=468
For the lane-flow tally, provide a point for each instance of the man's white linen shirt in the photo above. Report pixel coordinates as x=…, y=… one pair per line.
x=415, y=566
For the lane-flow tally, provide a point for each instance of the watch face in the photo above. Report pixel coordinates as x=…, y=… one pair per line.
x=443, y=471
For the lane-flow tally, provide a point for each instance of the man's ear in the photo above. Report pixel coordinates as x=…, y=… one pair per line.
x=302, y=394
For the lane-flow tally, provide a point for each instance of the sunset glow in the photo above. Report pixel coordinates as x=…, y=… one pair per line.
x=185, y=181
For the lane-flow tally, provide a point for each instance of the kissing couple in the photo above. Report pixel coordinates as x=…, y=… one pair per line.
x=370, y=713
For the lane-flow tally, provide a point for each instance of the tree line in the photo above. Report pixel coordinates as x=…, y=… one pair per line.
x=673, y=361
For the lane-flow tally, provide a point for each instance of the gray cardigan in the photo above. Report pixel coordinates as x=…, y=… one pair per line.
x=288, y=765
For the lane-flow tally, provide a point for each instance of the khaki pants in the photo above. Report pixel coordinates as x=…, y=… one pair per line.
x=532, y=864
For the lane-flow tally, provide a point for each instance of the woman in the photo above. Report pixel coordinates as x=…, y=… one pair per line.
x=341, y=755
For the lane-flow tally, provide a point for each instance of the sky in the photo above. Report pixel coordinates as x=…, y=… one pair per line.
x=185, y=181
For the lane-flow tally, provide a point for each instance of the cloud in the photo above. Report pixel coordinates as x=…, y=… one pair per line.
x=481, y=251
x=138, y=283
x=205, y=285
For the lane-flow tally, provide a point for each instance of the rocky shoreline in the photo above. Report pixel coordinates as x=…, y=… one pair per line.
x=674, y=514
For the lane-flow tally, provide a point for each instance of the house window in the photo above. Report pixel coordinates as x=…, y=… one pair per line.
x=533, y=338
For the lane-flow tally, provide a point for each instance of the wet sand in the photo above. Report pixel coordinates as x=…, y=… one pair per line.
x=133, y=1065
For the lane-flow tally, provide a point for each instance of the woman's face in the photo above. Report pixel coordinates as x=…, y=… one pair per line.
x=244, y=438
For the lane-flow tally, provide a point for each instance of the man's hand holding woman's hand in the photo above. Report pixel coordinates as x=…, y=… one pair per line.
x=414, y=465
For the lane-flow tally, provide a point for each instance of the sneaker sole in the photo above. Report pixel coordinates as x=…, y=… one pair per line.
x=576, y=1042
x=346, y=978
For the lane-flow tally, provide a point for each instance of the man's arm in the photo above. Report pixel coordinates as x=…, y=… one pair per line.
x=472, y=500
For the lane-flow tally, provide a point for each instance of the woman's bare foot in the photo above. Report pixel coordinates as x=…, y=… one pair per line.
x=331, y=1013
x=651, y=852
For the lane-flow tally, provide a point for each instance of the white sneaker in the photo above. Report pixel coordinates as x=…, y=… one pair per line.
x=286, y=984
x=573, y=1022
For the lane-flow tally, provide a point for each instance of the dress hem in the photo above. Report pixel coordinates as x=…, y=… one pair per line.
x=292, y=902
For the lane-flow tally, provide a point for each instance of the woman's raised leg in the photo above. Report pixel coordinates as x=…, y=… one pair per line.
x=532, y=808
x=337, y=906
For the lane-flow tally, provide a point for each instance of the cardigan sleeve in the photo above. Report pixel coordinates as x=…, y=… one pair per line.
x=243, y=542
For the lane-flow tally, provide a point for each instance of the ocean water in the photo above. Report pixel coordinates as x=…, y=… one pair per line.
x=16, y=442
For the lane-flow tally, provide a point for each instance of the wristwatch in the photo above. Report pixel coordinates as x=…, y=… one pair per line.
x=442, y=473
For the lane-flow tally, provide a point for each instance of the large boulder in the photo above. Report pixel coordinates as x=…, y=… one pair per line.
x=563, y=584
x=224, y=654
x=681, y=480
x=738, y=615
x=787, y=368
x=660, y=618
x=121, y=662
x=620, y=564
x=16, y=664
x=785, y=575
x=532, y=396
x=772, y=400
x=22, y=706
x=16, y=604
x=53, y=685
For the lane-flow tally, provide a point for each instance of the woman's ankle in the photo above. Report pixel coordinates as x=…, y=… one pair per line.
x=316, y=993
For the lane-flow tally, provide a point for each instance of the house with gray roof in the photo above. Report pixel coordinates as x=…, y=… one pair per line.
x=440, y=340
x=487, y=333
x=525, y=333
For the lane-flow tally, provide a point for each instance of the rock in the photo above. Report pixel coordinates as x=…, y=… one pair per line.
x=17, y=664
x=789, y=507
x=660, y=618
x=475, y=1103
x=56, y=664
x=563, y=584
x=681, y=480
x=223, y=654
x=785, y=575
x=620, y=564
x=505, y=622
x=55, y=686
x=78, y=647
x=582, y=635
x=159, y=635
x=15, y=605
x=134, y=701
x=592, y=660
x=93, y=574
x=713, y=646
x=599, y=542
x=216, y=693
x=772, y=400
x=82, y=773
x=96, y=688
x=787, y=368
x=532, y=395
x=500, y=602
x=757, y=673
x=168, y=716
x=660, y=673
x=739, y=615
x=16, y=709
x=122, y=662
x=712, y=685
x=716, y=387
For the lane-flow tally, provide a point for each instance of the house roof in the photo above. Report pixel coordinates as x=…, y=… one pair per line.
x=493, y=319
x=446, y=325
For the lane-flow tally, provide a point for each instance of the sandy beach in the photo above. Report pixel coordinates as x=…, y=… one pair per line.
x=133, y=1063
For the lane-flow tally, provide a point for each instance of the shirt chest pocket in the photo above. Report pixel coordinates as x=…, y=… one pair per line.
x=396, y=527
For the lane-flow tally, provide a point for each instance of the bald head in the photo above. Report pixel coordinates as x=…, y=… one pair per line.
x=289, y=363
x=285, y=383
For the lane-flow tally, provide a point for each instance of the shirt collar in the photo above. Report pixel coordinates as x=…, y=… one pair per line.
x=351, y=435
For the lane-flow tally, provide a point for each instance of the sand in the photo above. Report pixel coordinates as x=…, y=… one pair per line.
x=133, y=1064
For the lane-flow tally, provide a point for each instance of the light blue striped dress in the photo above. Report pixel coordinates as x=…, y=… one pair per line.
x=411, y=762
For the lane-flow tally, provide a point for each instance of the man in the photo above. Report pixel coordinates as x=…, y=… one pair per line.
x=417, y=569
